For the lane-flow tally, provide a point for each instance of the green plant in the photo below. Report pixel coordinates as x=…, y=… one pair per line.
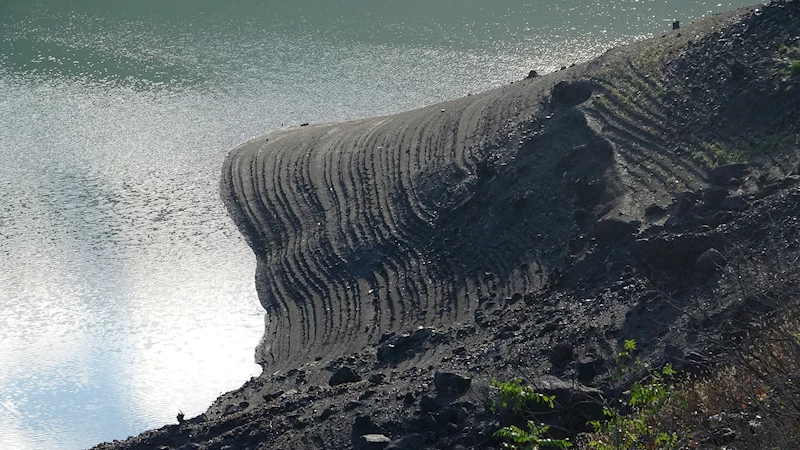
x=519, y=439
x=794, y=67
x=518, y=398
x=641, y=428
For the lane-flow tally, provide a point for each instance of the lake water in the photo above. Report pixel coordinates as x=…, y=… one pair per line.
x=126, y=294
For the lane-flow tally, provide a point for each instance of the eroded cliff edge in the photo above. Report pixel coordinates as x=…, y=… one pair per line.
x=528, y=229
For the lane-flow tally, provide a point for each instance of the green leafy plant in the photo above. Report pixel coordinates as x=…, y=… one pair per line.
x=518, y=398
x=640, y=428
x=794, y=68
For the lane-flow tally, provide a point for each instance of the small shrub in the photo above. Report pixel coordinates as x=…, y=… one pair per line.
x=515, y=396
x=794, y=68
x=519, y=439
x=641, y=428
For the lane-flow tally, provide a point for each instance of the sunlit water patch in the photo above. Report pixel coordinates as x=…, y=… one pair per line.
x=126, y=293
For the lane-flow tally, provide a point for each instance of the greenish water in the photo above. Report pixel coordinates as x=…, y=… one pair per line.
x=126, y=294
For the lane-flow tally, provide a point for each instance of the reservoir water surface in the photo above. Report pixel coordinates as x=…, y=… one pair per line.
x=126, y=294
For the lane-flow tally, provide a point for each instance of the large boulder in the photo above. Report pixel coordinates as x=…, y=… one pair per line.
x=344, y=375
x=448, y=383
x=726, y=173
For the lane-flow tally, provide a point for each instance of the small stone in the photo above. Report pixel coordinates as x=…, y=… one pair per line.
x=377, y=378
x=371, y=442
x=329, y=411
x=611, y=229
x=367, y=394
x=344, y=375
x=723, y=435
x=721, y=217
x=710, y=261
x=190, y=446
x=198, y=419
x=351, y=405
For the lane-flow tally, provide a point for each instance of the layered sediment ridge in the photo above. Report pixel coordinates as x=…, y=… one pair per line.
x=387, y=224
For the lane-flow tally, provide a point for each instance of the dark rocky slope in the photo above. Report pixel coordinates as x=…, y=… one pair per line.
x=522, y=231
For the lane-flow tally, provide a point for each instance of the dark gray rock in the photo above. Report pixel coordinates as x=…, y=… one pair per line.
x=722, y=435
x=734, y=203
x=571, y=94
x=428, y=404
x=682, y=205
x=713, y=197
x=377, y=378
x=655, y=211
x=674, y=355
x=364, y=425
x=710, y=261
x=452, y=415
x=231, y=409
x=612, y=229
x=480, y=316
x=561, y=354
x=448, y=383
x=588, y=368
x=721, y=217
x=197, y=419
x=699, y=210
x=344, y=375
x=577, y=403
x=724, y=174
x=190, y=446
x=671, y=254
x=673, y=223
x=393, y=347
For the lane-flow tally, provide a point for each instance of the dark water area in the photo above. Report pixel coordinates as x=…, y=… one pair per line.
x=126, y=293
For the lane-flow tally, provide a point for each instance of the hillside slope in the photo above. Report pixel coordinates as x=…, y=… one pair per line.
x=526, y=230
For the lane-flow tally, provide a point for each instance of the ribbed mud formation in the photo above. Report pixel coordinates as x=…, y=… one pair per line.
x=391, y=223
